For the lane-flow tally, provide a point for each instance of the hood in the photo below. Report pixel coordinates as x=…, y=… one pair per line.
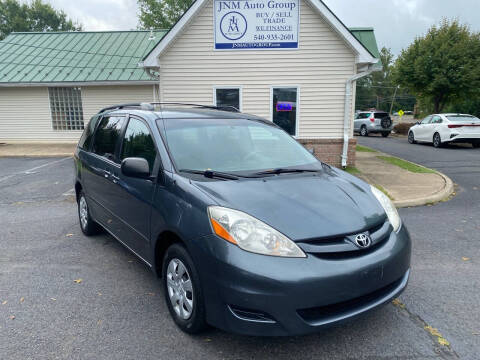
x=302, y=206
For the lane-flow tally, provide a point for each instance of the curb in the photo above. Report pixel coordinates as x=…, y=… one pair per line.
x=447, y=190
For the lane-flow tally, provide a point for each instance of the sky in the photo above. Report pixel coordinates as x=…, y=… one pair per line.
x=396, y=22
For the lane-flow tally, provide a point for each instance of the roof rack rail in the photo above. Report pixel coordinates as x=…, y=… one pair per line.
x=150, y=106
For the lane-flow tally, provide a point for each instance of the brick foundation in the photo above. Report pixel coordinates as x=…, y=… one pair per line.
x=330, y=150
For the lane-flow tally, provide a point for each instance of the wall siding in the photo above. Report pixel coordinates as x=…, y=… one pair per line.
x=190, y=68
x=25, y=111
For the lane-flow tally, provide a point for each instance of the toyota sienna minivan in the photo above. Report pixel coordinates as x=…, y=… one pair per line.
x=248, y=231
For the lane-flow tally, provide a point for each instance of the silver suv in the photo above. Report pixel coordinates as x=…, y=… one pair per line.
x=367, y=122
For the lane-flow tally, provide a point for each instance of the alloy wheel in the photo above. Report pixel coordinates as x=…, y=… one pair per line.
x=436, y=140
x=411, y=137
x=83, y=210
x=180, y=290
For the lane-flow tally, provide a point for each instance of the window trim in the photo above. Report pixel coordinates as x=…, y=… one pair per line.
x=297, y=113
x=229, y=87
x=51, y=112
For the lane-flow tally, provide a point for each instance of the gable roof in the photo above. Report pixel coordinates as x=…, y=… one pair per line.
x=75, y=57
x=363, y=54
x=366, y=36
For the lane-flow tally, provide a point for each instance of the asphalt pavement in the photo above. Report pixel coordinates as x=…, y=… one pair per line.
x=66, y=296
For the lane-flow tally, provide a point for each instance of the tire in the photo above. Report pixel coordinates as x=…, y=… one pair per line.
x=476, y=145
x=386, y=122
x=437, y=140
x=385, y=134
x=363, y=131
x=185, y=302
x=88, y=226
x=411, y=137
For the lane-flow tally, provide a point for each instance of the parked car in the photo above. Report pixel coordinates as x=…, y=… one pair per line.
x=249, y=232
x=367, y=122
x=440, y=129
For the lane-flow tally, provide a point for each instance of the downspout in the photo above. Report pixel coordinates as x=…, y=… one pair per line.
x=348, y=103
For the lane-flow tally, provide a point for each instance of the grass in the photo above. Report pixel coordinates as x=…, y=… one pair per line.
x=361, y=148
x=382, y=189
x=406, y=165
x=352, y=170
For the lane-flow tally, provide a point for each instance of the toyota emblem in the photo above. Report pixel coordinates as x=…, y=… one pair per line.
x=363, y=240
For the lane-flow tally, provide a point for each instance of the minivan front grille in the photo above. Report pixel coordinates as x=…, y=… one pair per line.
x=343, y=246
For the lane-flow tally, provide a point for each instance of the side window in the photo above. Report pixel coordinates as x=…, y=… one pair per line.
x=87, y=135
x=436, y=120
x=138, y=142
x=107, y=135
x=426, y=120
x=362, y=116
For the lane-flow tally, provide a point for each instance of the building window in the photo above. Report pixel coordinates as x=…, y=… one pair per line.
x=228, y=97
x=66, y=108
x=284, y=108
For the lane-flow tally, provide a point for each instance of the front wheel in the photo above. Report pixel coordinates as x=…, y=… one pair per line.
x=437, y=140
x=385, y=134
x=183, y=291
x=363, y=131
x=88, y=226
x=411, y=138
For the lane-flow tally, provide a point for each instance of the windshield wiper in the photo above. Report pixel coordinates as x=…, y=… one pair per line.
x=211, y=174
x=285, y=171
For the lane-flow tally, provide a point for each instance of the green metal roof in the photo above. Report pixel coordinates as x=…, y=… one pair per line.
x=367, y=37
x=57, y=57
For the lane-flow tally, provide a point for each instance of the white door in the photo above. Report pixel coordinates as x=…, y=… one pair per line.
x=421, y=130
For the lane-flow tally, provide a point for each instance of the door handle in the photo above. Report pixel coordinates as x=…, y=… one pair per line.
x=107, y=173
x=115, y=178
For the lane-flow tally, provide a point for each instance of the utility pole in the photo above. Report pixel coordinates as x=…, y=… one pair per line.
x=393, y=100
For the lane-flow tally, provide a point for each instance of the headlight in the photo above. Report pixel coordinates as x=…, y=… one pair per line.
x=390, y=209
x=251, y=234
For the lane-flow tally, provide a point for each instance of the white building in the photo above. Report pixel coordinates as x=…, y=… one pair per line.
x=291, y=61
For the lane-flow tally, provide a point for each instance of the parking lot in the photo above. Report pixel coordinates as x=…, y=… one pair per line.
x=66, y=296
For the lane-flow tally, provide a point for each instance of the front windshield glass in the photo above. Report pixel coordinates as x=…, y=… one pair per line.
x=234, y=146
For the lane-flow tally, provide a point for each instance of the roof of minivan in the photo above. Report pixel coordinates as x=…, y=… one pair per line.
x=190, y=113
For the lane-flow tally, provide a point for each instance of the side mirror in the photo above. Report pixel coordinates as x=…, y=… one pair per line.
x=418, y=123
x=136, y=168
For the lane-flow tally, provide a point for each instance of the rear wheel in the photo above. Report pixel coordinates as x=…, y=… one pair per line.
x=363, y=131
x=476, y=144
x=437, y=140
x=183, y=292
x=88, y=226
x=411, y=137
x=385, y=134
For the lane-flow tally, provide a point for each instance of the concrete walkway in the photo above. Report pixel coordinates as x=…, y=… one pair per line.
x=406, y=188
x=37, y=149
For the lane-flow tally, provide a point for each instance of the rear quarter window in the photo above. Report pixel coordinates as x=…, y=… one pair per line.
x=362, y=116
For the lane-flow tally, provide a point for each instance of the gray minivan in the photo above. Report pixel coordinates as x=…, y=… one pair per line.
x=248, y=231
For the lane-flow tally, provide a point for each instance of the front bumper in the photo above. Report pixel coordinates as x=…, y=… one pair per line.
x=261, y=295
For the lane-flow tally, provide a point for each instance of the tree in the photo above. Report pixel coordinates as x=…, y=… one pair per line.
x=161, y=14
x=35, y=16
x=377, y=90
x=442, y=67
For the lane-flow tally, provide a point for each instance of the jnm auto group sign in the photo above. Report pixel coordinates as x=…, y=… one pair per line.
x=256, y=24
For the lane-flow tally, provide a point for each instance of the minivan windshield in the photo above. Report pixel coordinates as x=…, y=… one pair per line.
x=234, y=145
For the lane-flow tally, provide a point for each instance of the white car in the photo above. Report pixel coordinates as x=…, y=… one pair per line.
x=440, y=129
